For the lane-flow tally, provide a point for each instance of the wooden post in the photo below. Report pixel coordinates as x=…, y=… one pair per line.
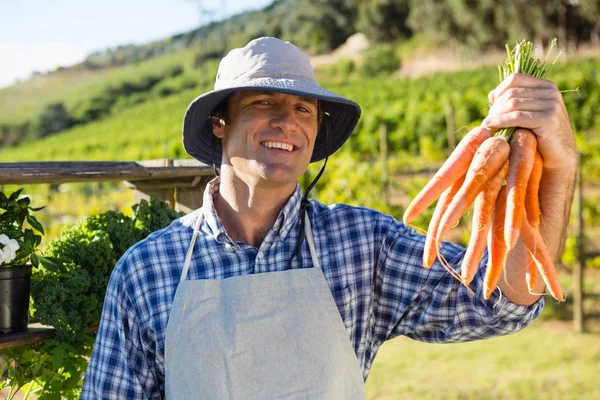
x=145, y=191
x=183, y=193
x=450, y=129
x=383, y=153
x=190, y=198
x=578, y=270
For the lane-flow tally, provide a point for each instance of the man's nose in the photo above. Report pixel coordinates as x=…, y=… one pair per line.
x=284, y=118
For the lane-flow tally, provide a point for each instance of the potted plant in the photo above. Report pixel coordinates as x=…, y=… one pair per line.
x=20, y=237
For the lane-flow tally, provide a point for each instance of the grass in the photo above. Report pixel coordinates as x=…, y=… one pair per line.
x=540, y=362
x=22, y=101
x=149, y=130
x=546, y=360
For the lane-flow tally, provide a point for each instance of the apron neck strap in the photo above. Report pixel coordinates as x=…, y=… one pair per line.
x=190, y=251
x=311, y=242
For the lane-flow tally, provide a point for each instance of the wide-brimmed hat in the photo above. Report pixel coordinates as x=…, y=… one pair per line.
x=274, y=65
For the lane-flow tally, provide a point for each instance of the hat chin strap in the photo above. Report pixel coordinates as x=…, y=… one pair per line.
x=214, y=148
x=305, y=203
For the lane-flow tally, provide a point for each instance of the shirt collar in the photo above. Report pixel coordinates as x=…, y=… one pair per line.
x=286, y=219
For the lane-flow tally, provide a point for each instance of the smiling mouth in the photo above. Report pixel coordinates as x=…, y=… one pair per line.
x=279, y=145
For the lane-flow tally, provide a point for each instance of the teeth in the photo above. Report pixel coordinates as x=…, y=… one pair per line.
x=277, y=145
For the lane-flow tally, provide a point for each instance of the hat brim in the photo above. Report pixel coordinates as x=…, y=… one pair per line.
x=339, y=119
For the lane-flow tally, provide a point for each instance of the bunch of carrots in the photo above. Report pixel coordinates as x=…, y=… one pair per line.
x=500, y=173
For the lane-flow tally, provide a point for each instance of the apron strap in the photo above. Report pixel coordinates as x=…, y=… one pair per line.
x=190, y=251
x=311, y=242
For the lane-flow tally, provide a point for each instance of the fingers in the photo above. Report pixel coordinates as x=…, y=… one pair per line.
x=525, y=119
x=535, y=104
x=521, y=104
x=525, y=101
x=520, y=81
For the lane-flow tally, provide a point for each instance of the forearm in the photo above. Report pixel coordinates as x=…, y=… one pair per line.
x=556, y=196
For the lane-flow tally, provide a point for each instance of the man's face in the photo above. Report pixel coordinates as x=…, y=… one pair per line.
x=269, y=137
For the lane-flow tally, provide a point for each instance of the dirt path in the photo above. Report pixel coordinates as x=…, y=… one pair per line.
x=426, y=62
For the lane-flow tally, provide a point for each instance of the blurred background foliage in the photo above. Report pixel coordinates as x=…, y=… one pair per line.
x=127, y=103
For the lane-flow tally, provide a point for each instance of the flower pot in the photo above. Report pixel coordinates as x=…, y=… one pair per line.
x=15, y=286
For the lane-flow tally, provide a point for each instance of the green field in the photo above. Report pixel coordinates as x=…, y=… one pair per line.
x=544, y=361
x=414, y=111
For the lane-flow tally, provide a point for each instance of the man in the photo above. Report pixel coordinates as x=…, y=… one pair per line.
x=262, y=294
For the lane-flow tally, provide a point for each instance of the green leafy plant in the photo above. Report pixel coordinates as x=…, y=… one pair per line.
x=70, y=299
x=380, y=59
x=49, y=370
x=19, y=242
x=152, y=215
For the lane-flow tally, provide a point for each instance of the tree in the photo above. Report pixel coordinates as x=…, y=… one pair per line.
x=434, y=19
x=589, y=11
x=525, y=19
x=380, y=59
x=383, y=20
x=52, y=118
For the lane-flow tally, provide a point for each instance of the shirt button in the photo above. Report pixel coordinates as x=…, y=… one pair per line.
x=260, y=254
x=228, y=247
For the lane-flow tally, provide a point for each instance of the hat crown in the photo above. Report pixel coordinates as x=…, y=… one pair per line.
x=265, y=57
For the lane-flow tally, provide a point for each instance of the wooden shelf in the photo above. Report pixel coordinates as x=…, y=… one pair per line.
x=100, y=171
x=35, y=333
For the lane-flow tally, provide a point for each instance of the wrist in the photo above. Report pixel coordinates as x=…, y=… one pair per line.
x=567, y=167
x=561, y=175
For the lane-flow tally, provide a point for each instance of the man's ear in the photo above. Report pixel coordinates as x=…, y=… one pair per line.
x=218, y=126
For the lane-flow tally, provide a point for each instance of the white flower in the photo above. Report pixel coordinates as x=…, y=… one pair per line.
x=9, y=249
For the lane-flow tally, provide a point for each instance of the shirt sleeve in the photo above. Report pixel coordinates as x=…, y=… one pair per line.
x=119, y=367
x=432, y=305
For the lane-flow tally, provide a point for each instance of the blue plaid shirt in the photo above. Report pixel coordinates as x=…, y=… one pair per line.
x=371, y=262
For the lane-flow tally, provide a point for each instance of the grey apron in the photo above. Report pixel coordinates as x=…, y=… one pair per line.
x=275, y=335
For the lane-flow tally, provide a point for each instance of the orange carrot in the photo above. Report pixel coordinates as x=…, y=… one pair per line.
x=541, y=256
x=497, y=247
x=487, y=162
x=522, y=154
x=532, y=272
x=532, y=199
x=431, y=241
x=455, y=166
x=483, y=212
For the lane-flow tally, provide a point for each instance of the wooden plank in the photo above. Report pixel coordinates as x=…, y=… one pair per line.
x=35, y=333
x=190, y=198
x=84, y=171
x=161, y=162
x=69, y=164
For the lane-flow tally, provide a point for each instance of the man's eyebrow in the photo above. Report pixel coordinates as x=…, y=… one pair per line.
x=257, y=93
x=254, y=93
x=309, y=100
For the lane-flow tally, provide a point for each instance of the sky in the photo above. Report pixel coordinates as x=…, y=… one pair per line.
x=41, y=35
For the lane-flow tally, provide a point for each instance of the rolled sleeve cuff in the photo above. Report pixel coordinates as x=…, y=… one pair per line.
x=510, y=311
x=501, y=306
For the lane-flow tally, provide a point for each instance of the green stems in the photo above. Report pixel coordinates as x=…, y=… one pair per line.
x=521, y=60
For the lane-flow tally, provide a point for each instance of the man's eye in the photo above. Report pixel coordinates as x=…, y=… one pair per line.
x=261, y=102
x=303, y=109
